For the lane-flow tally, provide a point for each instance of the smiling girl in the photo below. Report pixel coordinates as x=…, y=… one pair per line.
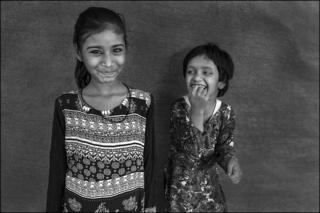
x=201, y=128
x=102, y=148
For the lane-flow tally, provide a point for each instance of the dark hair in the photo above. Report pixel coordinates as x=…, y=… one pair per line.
x=94, y=20
x=219, y=57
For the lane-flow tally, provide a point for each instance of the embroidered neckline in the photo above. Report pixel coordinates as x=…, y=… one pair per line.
x=106, y=113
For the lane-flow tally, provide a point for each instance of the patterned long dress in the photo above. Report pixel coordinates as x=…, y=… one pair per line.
x=192, y=179
x=102, y=162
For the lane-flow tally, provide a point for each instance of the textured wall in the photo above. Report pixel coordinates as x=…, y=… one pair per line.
x=275, y=90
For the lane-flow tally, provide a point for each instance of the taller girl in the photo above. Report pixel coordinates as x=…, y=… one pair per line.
x=102, y=148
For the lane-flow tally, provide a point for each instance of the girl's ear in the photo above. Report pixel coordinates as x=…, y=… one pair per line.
x=221, y=84
x=78, y=54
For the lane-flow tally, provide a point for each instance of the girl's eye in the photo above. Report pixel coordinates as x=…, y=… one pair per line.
x=207, y=73
x=96, y=52
x=118, y=50
x=190, y=72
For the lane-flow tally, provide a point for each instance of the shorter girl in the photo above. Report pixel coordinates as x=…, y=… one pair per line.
x=201, y=128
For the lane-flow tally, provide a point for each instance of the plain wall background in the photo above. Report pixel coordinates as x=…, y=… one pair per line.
x=275, y=89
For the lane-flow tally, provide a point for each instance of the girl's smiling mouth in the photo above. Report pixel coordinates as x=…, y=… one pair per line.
x=198, y=85
x=107, y=73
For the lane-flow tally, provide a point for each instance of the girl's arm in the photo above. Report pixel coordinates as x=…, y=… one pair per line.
x=224, y=148
x=58, y=163
x=185, y=136
x=197, y=118
x=150, y=162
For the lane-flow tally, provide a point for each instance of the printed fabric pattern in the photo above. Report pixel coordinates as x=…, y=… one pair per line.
x=192, y=175
x=104, y=156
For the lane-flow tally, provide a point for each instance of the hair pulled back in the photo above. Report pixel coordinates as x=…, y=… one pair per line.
x=91, y=21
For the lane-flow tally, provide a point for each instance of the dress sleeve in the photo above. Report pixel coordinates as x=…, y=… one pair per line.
x=58, y=163
x=224, y=148
x=150, y=160
x=167, y=171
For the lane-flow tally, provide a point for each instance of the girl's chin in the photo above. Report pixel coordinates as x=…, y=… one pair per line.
x=103, y=80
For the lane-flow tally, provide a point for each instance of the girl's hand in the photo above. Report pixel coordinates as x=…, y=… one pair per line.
x=234, y=171
x=198, y=98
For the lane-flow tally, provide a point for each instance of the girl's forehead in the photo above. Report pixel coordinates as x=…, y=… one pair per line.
x=201, y=60
x=105, y=37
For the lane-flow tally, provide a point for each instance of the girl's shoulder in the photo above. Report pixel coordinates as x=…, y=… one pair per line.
x=141, y=95
x=71, y=93
x=180, y=104
x=226, y=110
x=180, y=101
x=68, y=97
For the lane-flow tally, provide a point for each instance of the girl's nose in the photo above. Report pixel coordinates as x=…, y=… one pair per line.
x=196, y=76
x=107, y=61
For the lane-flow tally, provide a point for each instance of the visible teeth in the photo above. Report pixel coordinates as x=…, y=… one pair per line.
x=199, y=85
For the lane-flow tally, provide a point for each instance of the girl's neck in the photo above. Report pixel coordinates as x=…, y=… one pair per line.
x=105, y=89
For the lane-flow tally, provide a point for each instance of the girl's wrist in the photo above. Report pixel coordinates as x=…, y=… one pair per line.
x=196, y=112
x=197, y=119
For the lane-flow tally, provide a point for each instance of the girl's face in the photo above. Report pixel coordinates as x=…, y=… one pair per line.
x=202, y=72
x=104, y=56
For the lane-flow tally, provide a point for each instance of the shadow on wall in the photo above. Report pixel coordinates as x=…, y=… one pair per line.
x=169, y=88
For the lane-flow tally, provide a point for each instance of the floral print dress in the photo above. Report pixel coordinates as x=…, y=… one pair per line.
x=192, y=179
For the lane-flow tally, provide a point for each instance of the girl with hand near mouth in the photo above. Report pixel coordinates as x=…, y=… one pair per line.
x=102, y=147
x=201, y=128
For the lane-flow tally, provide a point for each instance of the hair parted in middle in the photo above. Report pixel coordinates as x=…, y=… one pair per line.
x=219, y=57
x=91, y=21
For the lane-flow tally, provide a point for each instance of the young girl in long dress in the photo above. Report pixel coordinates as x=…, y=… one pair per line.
x=102, y=149
x=202, y=134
